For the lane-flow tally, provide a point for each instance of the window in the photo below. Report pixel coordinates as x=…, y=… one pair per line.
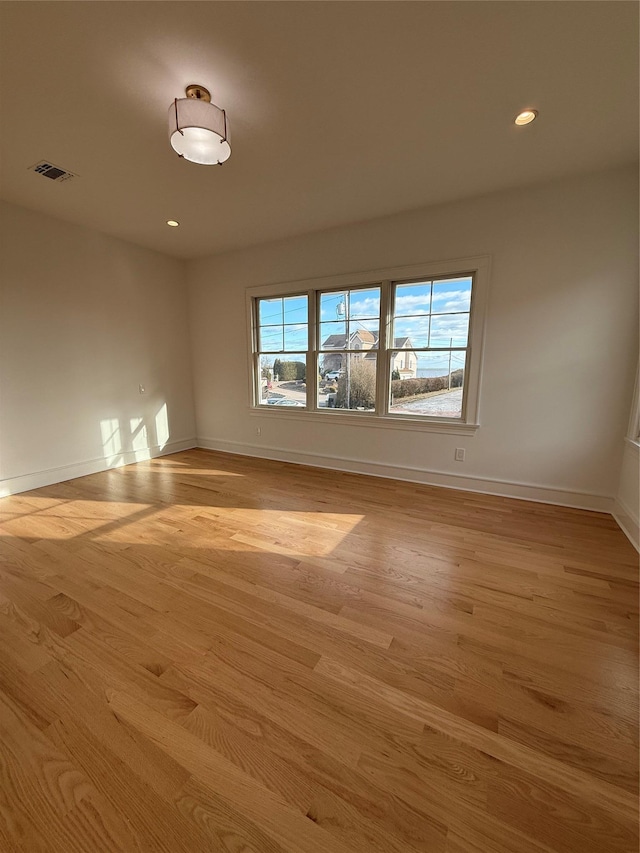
x=403, y=348
x=349, y=333
x=280, y=359
x=429, y=347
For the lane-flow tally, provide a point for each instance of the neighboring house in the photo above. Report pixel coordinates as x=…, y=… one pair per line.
x=358, y=340
x=405, y=362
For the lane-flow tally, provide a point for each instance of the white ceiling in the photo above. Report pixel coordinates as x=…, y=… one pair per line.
x=338, y=111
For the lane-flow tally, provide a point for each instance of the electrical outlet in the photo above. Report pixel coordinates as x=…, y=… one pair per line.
x=459, y=455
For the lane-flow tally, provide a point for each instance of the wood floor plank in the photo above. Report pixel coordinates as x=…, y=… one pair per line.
x=207, y=652
x=502, y=749
x=279, y=820
x=247, y=753
x=336, y=786
x=225, y=828
x=44, y=794
x=67, y=699
x=557, y=818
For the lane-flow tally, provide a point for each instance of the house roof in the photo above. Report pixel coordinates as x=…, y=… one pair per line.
x=89, y=85
x=339, y=341
x=398, y=343
x=335, y=342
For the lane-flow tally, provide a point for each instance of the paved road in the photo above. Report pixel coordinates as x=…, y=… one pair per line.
x=447, y=405
x=443, y=405
x=289, y=391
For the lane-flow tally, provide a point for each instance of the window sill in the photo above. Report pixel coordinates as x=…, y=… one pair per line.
x=393, y=422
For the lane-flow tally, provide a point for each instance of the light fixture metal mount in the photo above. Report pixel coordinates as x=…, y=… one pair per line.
x=198, y=92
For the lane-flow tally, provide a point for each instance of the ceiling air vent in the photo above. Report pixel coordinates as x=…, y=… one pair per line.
x=55, y=173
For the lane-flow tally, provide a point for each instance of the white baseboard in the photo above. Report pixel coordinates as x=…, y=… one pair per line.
x=628, y=522
x=37, y=479
x=484, y=485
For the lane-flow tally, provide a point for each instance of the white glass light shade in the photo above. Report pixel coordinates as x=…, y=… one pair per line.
x=198, y=131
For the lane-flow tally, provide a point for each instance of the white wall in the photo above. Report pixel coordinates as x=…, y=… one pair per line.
x=85, y=319
x=561, y=341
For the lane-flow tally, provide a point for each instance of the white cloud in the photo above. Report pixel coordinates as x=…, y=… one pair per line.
x=454, y=300
x=455, y=305
x=452, y=295
x=369, y=325
x=407, y=304
x=369, y=307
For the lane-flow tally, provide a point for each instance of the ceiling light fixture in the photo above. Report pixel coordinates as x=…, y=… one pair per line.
x=198, y=129
x=525, y=117
x=173, y=223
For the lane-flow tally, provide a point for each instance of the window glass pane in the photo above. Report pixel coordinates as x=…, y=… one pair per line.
x=452, y=294
x=270, y=312
x=449, y=330
x=270, y=339
x=295, y=309
x=328, y=387
x=296, y=337
x=435, y=391
x=283, y=324
x=363, y=334
x=404, y=363
x=355, y=386
x=332, y=306
x=412, y=299
x=411, y=332
x=363, y=304
x=333, y=335
x=265, y=379
x=350, y=305
x=331, y=362
x=282, y=380
x=349, y=319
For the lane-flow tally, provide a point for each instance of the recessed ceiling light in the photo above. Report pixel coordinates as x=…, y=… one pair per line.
x=173, y=223
x=526, y=117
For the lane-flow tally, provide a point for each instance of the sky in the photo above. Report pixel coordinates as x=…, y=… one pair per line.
x=432, y=314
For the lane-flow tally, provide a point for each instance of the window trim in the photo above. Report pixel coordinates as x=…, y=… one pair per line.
x=478, y=266
x=633, y=431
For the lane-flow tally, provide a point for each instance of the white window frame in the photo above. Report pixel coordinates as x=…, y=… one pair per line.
x=633, y=432
x=478, y=267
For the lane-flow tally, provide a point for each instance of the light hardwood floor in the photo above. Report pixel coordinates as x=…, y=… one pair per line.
x=214, y=653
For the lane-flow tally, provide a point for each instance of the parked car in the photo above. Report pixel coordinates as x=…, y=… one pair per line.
x=332, y=375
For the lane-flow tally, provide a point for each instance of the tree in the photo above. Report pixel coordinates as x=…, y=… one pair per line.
x=357, y=388
x=277, y=369
x=395, y=374
x=457, y=378
x=290, y=371
x=265, y=369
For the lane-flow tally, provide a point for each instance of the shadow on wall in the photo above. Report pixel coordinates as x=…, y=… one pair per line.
x=134, y=439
